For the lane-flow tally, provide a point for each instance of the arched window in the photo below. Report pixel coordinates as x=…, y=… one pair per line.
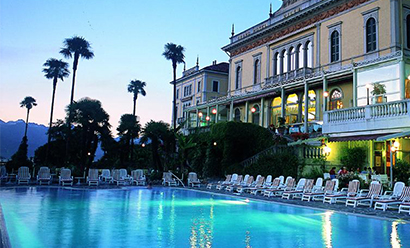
x=255, y=114
x=371, y=35
x=292, y=109
x=292, y=58
x=285, y=61
x=334, y=46
x=276, y=65
x=336, y=97
x=299, y=57
x=309, y=54
x=408, y=31
x=311, y=106
x=276, y=108
x=238, y=77
x=237, y=115
x=257, y=72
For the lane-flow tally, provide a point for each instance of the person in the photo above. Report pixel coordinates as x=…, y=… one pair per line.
x=364, y=171
x=357, y=170
x=344, y=171
x=332, y=173
x=340, y=171
x=370, y=170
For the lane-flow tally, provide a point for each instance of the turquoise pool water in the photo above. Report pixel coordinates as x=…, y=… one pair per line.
x=164, y=217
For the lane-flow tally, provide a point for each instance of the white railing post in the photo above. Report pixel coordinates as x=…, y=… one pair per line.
x=367, y=112
x=325, y=117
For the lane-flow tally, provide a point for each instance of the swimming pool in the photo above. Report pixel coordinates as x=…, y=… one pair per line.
x=165, y=217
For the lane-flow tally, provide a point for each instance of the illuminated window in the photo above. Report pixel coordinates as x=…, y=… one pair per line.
x=336, y=97
x=311, y=106
x=292, y=109
x=276, y=110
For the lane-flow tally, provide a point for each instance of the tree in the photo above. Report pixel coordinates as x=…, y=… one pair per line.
x=20, y=157
x=55, y=69
x=185, y=145
x=136, y=87
x=28, y=103
x=175, y=53
x=128, y=128
x=161, y=140
x=76, y=47
x=90, y=125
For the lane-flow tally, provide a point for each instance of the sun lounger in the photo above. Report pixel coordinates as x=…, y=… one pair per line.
x=106, y=175
x=330, y=188
x=227, y=180
x=223, y=184
x=278, y=183
x=3, y=173
x=253, y=186
x=318, y=185
x=290, y=185
x=117, y=178
x=23, y=175
x=238, y=182
x=44, y=175
x=168, y=180
x=303, y=187
x=124, y=174
x=65, y=177
x=394, y=201
x=366, y=199
x=138, y=177
x=193, y=180
x=92, y=178
x=268, y=181
x=342, y=195
x=405, y=206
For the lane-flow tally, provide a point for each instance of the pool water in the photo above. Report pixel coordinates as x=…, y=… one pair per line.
x=165, y=217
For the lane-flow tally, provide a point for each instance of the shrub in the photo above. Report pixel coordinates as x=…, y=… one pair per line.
x=353, y=157
x=401, y=171
x=284, y=163
x=314, y=173
x=345, y=179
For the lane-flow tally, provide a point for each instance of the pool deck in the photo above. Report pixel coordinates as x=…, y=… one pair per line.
x=340, y=208
x=4, y=237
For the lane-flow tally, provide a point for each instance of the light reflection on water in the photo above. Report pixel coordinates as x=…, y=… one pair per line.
x=178, y=218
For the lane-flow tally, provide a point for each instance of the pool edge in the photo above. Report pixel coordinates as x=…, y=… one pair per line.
x=299, y=206
x=4, y=236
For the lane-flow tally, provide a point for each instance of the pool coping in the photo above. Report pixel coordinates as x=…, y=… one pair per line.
x=4, y=236
x=300, y=206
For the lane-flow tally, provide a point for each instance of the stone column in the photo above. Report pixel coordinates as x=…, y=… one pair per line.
x=262, y=112
x=197, y=118
x=305, y=56
x=267, y=62
x=323, y=95
x=297, y=57
x=246, y=111
x=281, y=63
x=217, y=113
x=231, y=111
x=306, y=120
x=402, y=72
x=283, y=104
x=354, y=88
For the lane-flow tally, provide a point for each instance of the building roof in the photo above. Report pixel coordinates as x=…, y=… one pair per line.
x=220, y=67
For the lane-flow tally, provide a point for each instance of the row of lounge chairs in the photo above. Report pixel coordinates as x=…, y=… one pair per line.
x=313, y=190
x=117, y=176
x=169, y=180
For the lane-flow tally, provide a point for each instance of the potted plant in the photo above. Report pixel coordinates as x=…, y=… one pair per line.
x=378, y=92
x=281, y=128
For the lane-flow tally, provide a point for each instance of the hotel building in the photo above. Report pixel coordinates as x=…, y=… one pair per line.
x=337, y=69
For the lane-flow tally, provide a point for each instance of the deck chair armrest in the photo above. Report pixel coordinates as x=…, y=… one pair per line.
x=388, y=192
x=344, y=190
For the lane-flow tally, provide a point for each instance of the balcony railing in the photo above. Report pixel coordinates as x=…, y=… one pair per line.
x=301, y=72
x=381, y=116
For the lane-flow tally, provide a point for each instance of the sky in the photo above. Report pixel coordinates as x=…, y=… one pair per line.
x=127, y=38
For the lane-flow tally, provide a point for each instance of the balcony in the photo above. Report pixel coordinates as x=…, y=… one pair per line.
x=301, y=72
x=393, y=116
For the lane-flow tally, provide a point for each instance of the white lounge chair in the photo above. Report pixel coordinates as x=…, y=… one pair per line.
x=44, y=175
x=23, y=175
x=318, y=185
x=274, y=185
x=193, y=180
x=227, y=180
x=252, y=186
x=233, y=179
x=290, y=185
x=394, y=194
x=93, y=178
x=117, y=178
x=237, y=183
x=125, y=176
x=304, y=186
x=168, y=180
x=138, y=177
x=330, y=188
x=65, y=177
x=268, y=181
x=106, y=175
x=3, y=173
x=394, y=203
x=366, y=197
x=343, y=194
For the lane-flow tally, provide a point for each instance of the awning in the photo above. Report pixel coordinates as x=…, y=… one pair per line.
x=312, y=141
x=394, y=136
x=357, y=137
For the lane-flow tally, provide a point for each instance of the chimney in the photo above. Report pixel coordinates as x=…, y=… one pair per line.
x=214, y=62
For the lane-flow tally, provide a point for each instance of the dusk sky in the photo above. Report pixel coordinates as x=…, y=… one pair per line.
x=127, y=38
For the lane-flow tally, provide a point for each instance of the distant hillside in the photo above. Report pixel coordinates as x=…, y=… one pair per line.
x=12, y=132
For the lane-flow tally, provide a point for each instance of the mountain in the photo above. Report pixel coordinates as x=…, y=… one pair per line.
x=12, y=132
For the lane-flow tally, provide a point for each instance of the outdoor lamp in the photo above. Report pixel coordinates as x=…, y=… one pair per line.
x=214, y=143
x=143, y=145
x=408, y=77
x=253, y=109
x=200, y=114
x=326, y=94
x=207, y=118
x=396, y=144
x=326, y=150
x=214, y=111
x=393, y=149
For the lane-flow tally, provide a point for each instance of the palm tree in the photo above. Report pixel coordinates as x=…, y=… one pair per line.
x=28, y=103
x=175, y=53
x=55, y=69
x=74, y=47
x=136, y=87
x=127, y=130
